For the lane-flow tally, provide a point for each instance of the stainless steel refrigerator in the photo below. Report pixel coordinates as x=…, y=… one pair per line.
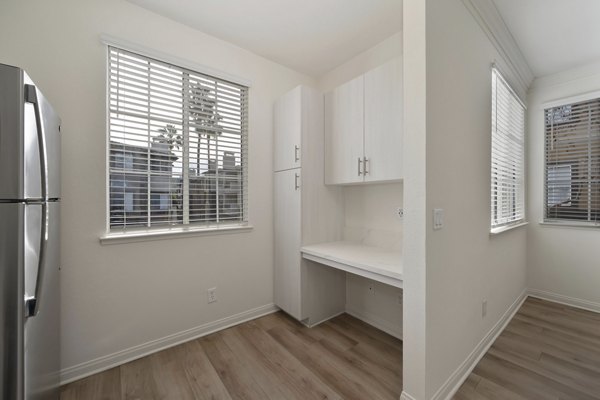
x=29, y=240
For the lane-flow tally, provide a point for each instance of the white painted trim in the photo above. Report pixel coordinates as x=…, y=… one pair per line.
x=376, y=321
x=571, y=99
x=504, y=228
x=170, y=233
x=406, y=396
x=566, y=300
x=571, y=224
x=454, y=382
x=490, y=20
x=308, y=325
x=103, y=363
x=171, y=59
x=569, y=76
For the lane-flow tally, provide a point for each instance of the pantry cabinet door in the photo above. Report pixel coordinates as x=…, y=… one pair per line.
x=287, y=128
x=288, y=237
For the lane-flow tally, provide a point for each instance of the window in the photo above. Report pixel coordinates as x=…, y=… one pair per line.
x=177, y=146
x=508, y=154
x=572, y=162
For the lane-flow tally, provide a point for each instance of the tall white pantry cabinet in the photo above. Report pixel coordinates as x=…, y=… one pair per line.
x=306, y=211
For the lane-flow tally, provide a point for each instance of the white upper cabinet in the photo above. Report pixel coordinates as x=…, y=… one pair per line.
x=363, y=128
x=287, y=128
x=344, y=139
x=383, y=122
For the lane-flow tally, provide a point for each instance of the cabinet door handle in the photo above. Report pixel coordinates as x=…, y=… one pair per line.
x=366, y=171
x=296, y=151
x=296, y=185
x=359, y=166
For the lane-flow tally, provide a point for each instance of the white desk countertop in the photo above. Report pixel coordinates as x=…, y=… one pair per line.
x=377, y=263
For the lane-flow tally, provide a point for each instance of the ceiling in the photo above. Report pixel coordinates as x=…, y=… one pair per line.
x=554, y=35
x=310, y=36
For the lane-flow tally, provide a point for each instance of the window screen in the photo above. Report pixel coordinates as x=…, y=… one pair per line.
x=508, y=154
x=572, y=162
x=177, y=145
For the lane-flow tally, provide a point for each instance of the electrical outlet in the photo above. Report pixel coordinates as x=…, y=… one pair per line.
x=212, y=295
x=400, y=212
x=483, y=308
x=372, y=289
x=438, y=218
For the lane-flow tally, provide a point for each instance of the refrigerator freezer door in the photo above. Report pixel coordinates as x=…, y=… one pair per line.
x=12, y=312
x=11, y=137
x=47, y=158
x=51, y=131
x=29, y=140
x=42, y=348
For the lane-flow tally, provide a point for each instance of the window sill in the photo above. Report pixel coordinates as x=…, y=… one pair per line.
x=171, y=233
x=571, y=224
x=505, y=228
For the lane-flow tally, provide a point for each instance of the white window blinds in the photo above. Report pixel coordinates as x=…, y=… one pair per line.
x=177, y=145
x=508, y=154
x=572, y=162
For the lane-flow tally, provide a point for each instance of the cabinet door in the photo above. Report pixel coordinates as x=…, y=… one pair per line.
x=287, y=126
x=288, y=233
x=383, y=122
x=344, y=133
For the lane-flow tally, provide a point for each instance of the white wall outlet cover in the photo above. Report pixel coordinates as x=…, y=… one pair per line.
x=438, y=218
x=400, y=212
x=212, y=295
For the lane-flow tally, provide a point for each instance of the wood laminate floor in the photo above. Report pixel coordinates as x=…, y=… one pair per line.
x=273, y=357
x=548, y=351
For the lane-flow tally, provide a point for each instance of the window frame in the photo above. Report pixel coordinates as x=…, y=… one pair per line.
x=562, y=102
x=505, y=226
x=135, y=234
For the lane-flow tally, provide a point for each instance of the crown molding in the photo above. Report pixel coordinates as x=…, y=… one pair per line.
x=588, y=71
x=489, y=19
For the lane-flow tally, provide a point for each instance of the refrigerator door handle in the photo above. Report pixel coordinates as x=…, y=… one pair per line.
x=32, y=304
x=32, y=97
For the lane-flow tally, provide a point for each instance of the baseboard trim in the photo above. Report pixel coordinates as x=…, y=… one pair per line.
x=406, y=396
x=451, y=386
x=312, y=325
x=104, y=363
x=566, y=300
x=375, y=321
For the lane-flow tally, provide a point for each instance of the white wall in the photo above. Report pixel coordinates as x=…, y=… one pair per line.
x=464, y=264
x=118, y=296
x=374, y=57
x=415, y=216
x=370, y=212
x=562, y=262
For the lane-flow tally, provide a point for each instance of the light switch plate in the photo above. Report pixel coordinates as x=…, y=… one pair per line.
x=438, y=218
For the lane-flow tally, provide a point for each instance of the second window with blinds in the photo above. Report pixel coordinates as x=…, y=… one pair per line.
x=508, y=156
x=572, y=163
x=177, y=146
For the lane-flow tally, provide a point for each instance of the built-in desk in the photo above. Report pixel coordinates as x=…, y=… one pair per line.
x=376, y=263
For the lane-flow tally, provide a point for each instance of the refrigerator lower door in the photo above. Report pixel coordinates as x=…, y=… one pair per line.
x=42, y=341
x=12, y=313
